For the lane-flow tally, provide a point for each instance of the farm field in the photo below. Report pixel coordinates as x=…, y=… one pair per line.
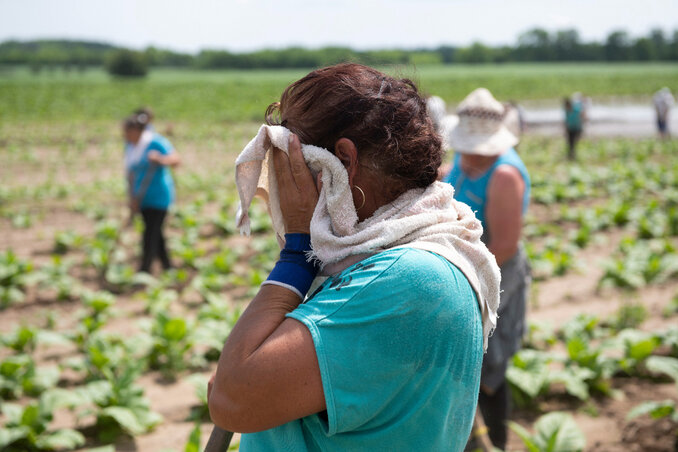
x=234, y=96
x=93, y=355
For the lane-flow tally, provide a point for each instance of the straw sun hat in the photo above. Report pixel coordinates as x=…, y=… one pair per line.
x=481, y=129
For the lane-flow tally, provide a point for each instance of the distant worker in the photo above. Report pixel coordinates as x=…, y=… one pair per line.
x=489, y=176
x=574, y=119
x=150, y=185
x=444, y=123
x=663, y=102
x=514, y=118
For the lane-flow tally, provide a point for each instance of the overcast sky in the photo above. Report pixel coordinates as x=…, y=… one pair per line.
x=243, y=25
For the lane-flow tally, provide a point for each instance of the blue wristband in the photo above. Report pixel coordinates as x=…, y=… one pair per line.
x=292, y=270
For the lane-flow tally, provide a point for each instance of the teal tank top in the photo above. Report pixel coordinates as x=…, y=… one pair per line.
x=474, y=191
x=399, y=342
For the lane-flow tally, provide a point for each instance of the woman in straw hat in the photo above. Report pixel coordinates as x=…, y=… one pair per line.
x=489, y=176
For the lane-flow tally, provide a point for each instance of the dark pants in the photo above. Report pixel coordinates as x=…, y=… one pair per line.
x=495, y=409
x=572, y=138
x=154, y=242
x=503, y=344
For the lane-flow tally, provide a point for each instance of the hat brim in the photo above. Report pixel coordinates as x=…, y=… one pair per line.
x=495, y=143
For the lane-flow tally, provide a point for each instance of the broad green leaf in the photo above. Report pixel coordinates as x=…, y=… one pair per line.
x=51, y=338
x=175, y=329
x=11, y=365
x=10, y=435
x=98, y=391
x=31, y=417
x=125, y=418
x=56, y=398
x=643, y=349
x=575, y=378
x=530, y=382
x=524, y=435
x=45, y=378
x=580, y=351
x=557, y=432
x=61, y=439
x=12, y=412
x=655, y=409
x=663, y=364
x=147, y=418
x=193, y=444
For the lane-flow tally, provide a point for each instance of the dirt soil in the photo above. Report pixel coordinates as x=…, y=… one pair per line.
x=555, y=300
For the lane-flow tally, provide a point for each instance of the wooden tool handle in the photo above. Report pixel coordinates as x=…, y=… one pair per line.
x=219, y=440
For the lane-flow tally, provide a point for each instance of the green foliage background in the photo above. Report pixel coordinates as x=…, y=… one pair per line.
x=239, y=95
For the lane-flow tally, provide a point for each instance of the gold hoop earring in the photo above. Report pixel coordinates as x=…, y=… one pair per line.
x=364, y=199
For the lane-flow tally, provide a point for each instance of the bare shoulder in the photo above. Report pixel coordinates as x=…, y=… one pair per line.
x=506, y=183
x=506, y=177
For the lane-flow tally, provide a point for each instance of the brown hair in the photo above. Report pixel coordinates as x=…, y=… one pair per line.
x=139, y=119
x=386, y=119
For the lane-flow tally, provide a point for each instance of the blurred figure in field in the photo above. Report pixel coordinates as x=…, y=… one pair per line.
x=489, y=176
x=514, y=118
x=150, y=185
x=574, y=121
x=663, y=101
x=444, y=123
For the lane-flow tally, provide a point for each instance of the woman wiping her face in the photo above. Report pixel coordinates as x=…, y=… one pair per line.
x=386, y=352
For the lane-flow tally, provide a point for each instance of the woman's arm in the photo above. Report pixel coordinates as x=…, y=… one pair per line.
x=504, y=212
x=268, y=372
x=171, y=159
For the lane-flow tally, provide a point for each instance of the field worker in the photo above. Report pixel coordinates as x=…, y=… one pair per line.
x=386, y=353
x=663, y=102
x=148, y=157
x=489, y=176
x=444, y=123
x=574, y=119
x=514, y=118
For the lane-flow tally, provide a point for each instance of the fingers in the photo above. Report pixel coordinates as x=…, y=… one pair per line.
x=291, y=168
x=300, y=172
x=297, y=190
x=282, y=168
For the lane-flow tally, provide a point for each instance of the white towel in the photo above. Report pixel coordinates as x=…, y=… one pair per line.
x=134, y=152
x=426, y=218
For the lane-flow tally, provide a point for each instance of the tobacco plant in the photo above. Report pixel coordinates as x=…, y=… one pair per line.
x=553, y=432
x=27, y=427
x=13, y=278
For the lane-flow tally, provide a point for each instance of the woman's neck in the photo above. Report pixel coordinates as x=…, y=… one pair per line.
x=477, y=165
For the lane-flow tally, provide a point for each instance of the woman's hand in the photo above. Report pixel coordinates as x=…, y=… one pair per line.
x=296, y=187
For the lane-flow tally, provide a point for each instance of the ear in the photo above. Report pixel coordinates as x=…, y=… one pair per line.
x=346, y=151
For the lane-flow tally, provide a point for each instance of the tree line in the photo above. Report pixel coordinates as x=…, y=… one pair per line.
x=535, y=45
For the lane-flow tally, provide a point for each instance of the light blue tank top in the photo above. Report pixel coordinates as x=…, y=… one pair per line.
x=474, y=191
